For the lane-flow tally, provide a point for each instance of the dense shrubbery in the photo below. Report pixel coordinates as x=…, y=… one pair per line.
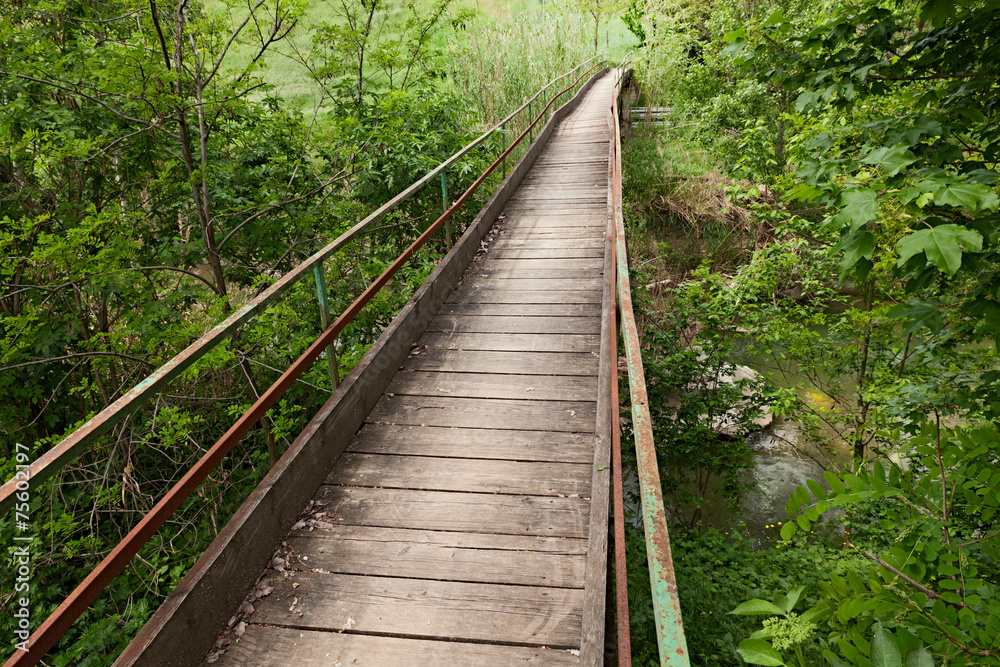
x=874, y=127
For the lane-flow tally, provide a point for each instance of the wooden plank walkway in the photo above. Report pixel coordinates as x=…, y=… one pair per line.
x=455, y=529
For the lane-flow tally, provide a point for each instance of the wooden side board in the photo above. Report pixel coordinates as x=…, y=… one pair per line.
x=185, y=626
x=594, y=600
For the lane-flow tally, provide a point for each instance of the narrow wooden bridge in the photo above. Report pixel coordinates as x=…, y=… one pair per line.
x=462, y=509
x=449, y=504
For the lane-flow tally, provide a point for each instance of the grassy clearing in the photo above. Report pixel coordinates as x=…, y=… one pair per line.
x=680, y=210
x=522, y=38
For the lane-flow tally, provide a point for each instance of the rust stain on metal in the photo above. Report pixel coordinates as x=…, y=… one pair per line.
x=621, y=567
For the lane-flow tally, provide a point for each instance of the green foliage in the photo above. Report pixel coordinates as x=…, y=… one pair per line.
x=936, y=581
x=905, y=124
x=739, y=125
x=715, y=571
x=702, y=406
x=367, y=47
x=632, y=14
x=882, y=117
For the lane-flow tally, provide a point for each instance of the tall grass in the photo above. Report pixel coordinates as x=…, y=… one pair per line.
x=499, y=65
x=678, y=209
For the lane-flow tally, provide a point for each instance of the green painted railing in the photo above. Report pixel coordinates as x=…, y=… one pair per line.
x=666, y=606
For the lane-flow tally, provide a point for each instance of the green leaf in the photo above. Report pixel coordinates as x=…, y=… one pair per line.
x=885, y=653
x=806, y=100
x=937, y=11
x=858, y=207
x=856, y=247
x=971, y=196
x=918, y=313
x=759, y=652
x=943, y=245
x=793, y=597
x=833, y=659
x=737, y=42
x=835, y=484
x=788, y=531
x=758, y=608
x=919, y=657
x=891, y=159
x=855, y=482
x=818, y=491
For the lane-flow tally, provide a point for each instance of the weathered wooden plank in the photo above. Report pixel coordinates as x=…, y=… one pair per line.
x=544, y=253
x=419, y=608
x=566, y=209
x=569, y=144
x=495, y=385
x=586, y=181
x=339, y=532
x=583, y=161
x=566, y=416
x=526, y=272
x=568, y=191
x=589, y=173
x=586, y=157
x=570, y=148
x=592, y=264
x=582, y=134
x=565, y=175
x=529, y=478
x=563, y=159
x=540, y=231
x=469, y=323
x=512, y=241
x=270, y=646
x=510, y=280
x=520, y=310
x=583, y=218
x=482, y=443
x=578, y=138
x=512, y=342
x=463, y=512
x=486, y=295
x=441, y=555
x=556, y=200
x=517, y=363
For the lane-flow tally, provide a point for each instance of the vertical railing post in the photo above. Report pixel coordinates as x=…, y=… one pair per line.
x=324, y=315
x=503, y=138
x=544, y=95
x=444, y=209
x=530, y=117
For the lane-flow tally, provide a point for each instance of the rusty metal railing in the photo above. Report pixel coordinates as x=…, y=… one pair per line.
x=666, y=607
x=45, y=637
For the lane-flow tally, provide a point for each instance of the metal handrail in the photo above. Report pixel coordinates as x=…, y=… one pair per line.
x=76, y=442
x=670, y=638
x=49, y=632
